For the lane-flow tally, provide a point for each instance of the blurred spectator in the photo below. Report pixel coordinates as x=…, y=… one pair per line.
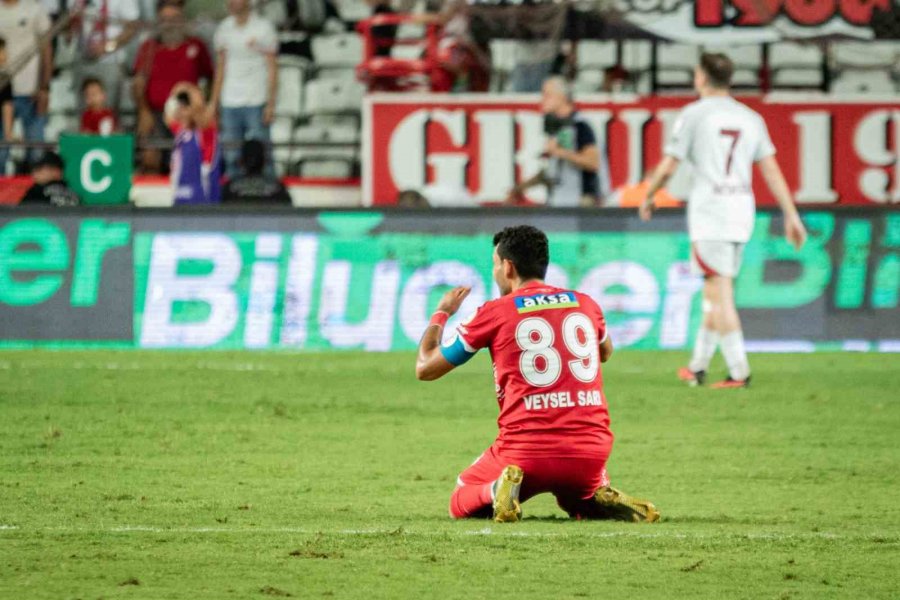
x=615, y=79
x=305, y=18
x=253, y=184
x=195, y=158
x=384, y=35
x=49, y=187
x=107, y=27
x=246, y=81
x=464, y=65
x=23, y=24
x=97, y=117
x=7, y=112
x=412, y=199
x=576, y=174
x=534, y=64
x=163, y=61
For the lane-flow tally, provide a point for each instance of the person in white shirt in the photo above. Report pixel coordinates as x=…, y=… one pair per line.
x=722, y=139
x=246, y=80
x=24, y=25
x=108, y=28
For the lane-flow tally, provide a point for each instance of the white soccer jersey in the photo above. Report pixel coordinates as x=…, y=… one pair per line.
x=721, y=138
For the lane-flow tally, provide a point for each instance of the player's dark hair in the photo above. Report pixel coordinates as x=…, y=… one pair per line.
x=2, y=43
x=89, y=81
x=527, y=248
x=161, y=4
x=718, y=69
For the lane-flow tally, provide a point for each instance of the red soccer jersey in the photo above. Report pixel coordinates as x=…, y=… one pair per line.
x=98, y=121
x=164, y=67
x=544, y=342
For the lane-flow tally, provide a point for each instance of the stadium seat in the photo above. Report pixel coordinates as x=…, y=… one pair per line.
x=126, y=97
x=588, y=81
x=321, y=134
x=797, y=78
x=326, y=168
x=275, y=13
x=793, y=55
x=58, y=123
x=795, y=65
x=743, y=57
x=676, y=64
x=858, y=82
x=282, y=131
x=636, y=55
x=291, y=74
x=866, y=54
x=503, y=61
x=343, y=50
x=337, y=73
x=593, y=54
x=62, y=93
x=353, y=10
x=331, y=96
x=336, y=120
x=642, y=84
x=408, y=31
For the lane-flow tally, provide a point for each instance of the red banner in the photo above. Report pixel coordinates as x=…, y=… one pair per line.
x=832, y=150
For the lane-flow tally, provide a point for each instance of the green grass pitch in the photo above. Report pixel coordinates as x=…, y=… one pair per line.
x=247, y=475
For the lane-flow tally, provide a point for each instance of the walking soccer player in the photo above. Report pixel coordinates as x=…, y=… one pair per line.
x=546, y=344
x=721, y=138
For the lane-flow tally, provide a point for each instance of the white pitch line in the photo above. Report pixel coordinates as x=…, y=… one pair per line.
x=487, y=531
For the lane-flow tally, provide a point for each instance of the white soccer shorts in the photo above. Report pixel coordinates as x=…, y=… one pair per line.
x=716, y=258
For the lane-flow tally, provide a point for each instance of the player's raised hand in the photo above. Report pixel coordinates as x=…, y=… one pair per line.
x=795, y=231
x=646, y=209
x=453, y=299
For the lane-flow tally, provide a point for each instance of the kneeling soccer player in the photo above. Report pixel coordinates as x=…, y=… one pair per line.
x=547, y=344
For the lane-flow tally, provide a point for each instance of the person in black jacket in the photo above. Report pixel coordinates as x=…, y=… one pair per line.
x=49, y=186
x=253, y=184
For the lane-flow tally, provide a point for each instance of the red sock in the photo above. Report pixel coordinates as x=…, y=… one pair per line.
x=471, y=501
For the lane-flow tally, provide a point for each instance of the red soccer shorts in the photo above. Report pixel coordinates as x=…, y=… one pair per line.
x=571, y=480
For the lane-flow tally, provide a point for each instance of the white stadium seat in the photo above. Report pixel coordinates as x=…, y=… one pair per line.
x=503, y=55
x=289, y=102
x=58, y=124
x=676, y=64
x=281, y=131
x=326, y=168
x=353, y=10
x=62, y=93
x=866, y=54
x=588, y=81
x=339, y=134
x=682, y=56
x=790, y=54
x=337, y=50
x=795, y=65
x=346, y=73
x=858, y=82
x=593, y=54
x=743, y=57
x=794, y=78
x=330, y=96
x=636, y=55
x=275, y=13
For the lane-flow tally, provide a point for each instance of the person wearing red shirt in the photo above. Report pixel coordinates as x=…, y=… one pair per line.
x=546, y=344
x=97, y=118
x=162, y=62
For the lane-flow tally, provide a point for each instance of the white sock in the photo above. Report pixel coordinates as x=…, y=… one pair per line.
x=735, y=355
x=704, y=349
